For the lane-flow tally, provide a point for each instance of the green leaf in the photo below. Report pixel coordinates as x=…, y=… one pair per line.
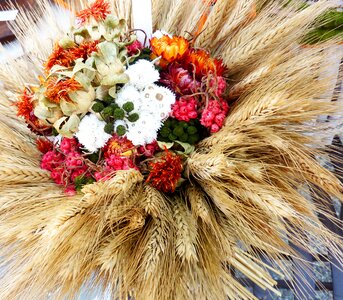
x=164, y=145
x=188, y=148
x=66, y=42
x=67, y=126
x=109, y=51
x=111, y=21
x=113, y=92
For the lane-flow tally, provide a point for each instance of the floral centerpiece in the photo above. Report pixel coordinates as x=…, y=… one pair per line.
x=108, y=103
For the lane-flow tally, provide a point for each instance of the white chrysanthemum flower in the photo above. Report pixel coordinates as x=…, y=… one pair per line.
x=129, y=94
x=144, y=131
x=160, y=33
x=91, y=133
x=158, y=100
x=142, y=73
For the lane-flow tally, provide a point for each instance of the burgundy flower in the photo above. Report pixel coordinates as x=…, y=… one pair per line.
x=179, y=80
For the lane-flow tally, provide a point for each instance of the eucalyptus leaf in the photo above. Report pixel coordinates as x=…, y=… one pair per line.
x=57, y=69
x=83, y=31
x=80, y=66
x=84, y=80
x=102, y=68
x=111, y=21
x=83, y=100
x=42, y=112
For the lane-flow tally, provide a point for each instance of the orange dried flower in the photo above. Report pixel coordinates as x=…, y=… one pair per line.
x=59, y=56
x=25, y=105
x=56, y=90
x=165, y=173
x=98, y=10
x=170, y=48
x=85, y=49
x=66, y=57
x=201, y=62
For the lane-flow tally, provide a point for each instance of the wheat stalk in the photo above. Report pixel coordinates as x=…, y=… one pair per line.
x=200, y=207
x=241, y=51
x=219, y=10
x=153, y=202
x=186, y=232
x=175, y=15
x=16, y=175
x=238, y=16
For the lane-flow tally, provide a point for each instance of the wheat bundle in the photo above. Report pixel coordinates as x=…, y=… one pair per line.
x=241, y=194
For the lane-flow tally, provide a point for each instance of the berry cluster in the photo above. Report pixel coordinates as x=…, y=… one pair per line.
x=67, y=165
x=185, y=109
x=186, y=132
x=111, y=112
x=214, y=115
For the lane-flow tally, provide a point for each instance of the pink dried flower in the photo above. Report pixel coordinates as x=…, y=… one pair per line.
x=78, y=172
x=219, y=84
x=117, y=162
x=214, y=115
x=74, y=160
x=179, y=80
x=70, y=190
x=134, y=48
x=148, y=150
x=57, y=175
x=51, y=160
x=185, y=109
x=69, y=145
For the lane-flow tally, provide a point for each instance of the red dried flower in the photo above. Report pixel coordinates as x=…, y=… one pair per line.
x=98, y=10
x=56, y=90
x=66, y=57
x=118, y=146
x=165, y=173
x=201, y=63
x=44, y=145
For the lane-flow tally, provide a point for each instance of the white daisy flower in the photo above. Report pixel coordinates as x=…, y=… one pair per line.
x=144, y=131
x=91, y=133
x=129, y=94
x=142, y=73
x=158, y=100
